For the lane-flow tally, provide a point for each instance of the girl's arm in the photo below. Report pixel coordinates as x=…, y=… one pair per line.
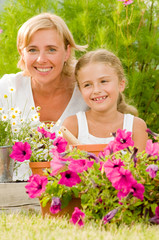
x=140, y=135
x=71, y=124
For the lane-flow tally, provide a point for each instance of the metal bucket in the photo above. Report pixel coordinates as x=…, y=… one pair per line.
x=6, y=164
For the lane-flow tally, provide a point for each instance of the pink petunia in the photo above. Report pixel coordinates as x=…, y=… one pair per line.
x=123, y=139
x=69, y=178
x=157, y=211
x=122, y=179
x=1, y=31
x=152, y=169
x=123, y=193
x=138, y=190
x=77, y=217
x=152, y=149
x=47, y=134
x=110, y=166
x=80, y=165
x=109, y=149
x=21, y=151
x=36, y=185
x=60, y=144
x=58, y=163
x=55, y=205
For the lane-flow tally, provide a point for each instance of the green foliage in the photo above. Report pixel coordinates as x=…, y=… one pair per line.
x=131, y=32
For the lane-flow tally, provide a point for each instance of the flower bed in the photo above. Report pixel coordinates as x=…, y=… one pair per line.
x=120, y=185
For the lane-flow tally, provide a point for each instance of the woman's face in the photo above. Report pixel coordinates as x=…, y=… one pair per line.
x=45, y=55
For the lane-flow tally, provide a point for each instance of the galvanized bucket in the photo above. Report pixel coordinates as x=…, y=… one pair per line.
x=6, y=164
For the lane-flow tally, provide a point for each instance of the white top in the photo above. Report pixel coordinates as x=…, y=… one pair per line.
x=85, y=137
x=23, y=99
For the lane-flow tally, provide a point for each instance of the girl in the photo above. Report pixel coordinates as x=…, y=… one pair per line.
x=101, y=80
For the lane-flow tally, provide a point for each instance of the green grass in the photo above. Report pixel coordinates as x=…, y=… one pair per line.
x=31, y=226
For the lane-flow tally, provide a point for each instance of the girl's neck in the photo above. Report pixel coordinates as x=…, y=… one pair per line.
x=105, y=117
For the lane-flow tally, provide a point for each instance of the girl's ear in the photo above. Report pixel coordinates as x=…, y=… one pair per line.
x=122, y=85
x=68, y=52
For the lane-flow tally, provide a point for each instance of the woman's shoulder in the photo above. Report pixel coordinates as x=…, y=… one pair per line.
x=14, y=80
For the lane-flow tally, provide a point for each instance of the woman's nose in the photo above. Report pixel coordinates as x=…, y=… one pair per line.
x=41, y=57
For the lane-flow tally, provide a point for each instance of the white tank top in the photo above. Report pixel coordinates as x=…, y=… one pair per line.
x=85, y=137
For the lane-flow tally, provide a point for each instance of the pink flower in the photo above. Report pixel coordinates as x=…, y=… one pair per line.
x=77, y=217
x=122, y=179
x=46, y=134
x=69, y=178
x=152, y=149
x=110, y=166
x=1, y=31
x=157, y=211
x=138, y=190
x=123, y=139
x=109, y=149
x=80, y=165
x=21, y=151
x=60, y=144
x=58, y=163
x=109, y=215
x=36, y=185
x=123, y=193
x=152, y=169
x=126, y=2
x=55, y=205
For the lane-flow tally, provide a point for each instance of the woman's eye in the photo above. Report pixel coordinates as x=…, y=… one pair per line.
x=52, y=50
x=32, y=50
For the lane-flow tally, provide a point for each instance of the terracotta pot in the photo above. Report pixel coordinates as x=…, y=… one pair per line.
x=39, y=167
x=68, y=210
x=93, y=148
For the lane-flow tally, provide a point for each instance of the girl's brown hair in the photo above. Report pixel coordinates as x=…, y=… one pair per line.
x=106, y=57
x=47, y=21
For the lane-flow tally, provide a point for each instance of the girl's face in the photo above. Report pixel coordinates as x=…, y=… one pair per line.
x=45, y=55
x=100, y=86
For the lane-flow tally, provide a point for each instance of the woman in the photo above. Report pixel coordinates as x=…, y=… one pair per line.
x=46, y=48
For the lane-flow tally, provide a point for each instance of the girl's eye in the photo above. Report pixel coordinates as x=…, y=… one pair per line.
x=104, y=81
x=86, y=85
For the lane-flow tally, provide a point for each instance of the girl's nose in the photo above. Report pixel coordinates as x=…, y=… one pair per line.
x=96, y=88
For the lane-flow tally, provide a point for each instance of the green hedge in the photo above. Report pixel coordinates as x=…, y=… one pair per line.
x=129, y=31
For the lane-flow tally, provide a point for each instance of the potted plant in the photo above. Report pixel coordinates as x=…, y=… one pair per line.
x=37, y=148
x=13, y=127
x=121, y=184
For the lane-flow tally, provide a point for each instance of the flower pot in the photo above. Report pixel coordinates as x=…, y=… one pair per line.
x=6, y=164
x=68, y=210
x=93, y=148
x=39, y=167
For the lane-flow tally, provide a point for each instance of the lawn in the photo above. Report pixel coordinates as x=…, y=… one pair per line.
x=31, y=226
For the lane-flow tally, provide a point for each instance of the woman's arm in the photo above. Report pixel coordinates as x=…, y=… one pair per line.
x=140, y=135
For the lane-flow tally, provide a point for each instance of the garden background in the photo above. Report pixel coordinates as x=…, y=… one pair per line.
x=131, y=32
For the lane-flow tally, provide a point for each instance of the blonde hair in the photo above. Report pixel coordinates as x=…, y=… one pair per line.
x=106, y=57
x=47, y=21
